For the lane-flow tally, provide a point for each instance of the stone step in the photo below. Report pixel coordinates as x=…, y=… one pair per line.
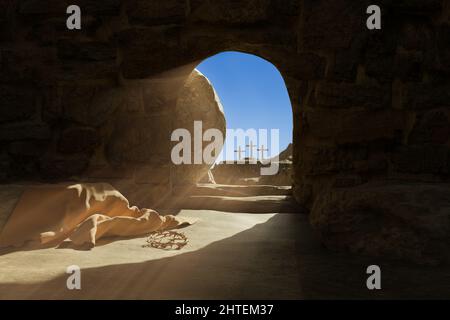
x=239, y=190
x=255, y=204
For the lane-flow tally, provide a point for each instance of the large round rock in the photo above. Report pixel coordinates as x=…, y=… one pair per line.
x=198, y=102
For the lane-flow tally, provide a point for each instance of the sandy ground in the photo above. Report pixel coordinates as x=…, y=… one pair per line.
x=229, y=256
x=218, y=262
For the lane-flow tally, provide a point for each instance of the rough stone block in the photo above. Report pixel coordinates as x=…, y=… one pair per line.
x=103, y=7
x=78, y=140
x=305, y=66
x=145, y=51
x=86, y=51
x=431, y=127
x=427, y=96
x=24, y=132
x=143, y=12
x=23, y=167
x=422, y=159
x=7, y=20
x=134, y=100
x=16, y=104
x=326, y=160
x=45, y=8
x=346, y=61
x=233, y=12
x=415, y=36
x=18, y=66
x=443, y=44
x=380, y=67
x=56, y=8
x=347, y=95
x=381, y=48
x=86, y=70
x=348, y=180
x=409, y=66
x=331, y=24
x=416, y=7
x=342, y=126
x=56, y=166
x=27, y=148
x=390, y=220
x=90, y=105
x=5, y=166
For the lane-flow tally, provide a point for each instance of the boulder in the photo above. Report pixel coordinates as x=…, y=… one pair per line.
x=140, y=136
x=198, y=101
x=387, y=220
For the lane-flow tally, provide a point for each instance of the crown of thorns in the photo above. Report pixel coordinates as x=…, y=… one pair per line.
x=166, y=240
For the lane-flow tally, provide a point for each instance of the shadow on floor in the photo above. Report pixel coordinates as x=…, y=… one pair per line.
x=279, y=259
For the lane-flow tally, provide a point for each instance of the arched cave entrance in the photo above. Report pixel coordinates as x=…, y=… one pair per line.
x=245, y=98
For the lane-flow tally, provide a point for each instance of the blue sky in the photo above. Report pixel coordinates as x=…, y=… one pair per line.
x=252, y=92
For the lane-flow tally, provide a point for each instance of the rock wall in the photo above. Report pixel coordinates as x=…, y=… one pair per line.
x=367, y=105
x=406, y=221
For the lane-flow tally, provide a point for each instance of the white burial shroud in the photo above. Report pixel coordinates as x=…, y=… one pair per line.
x=83, y=213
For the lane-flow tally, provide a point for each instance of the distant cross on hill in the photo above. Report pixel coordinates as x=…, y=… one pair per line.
x=251, y=146
x=262, y=151
x=239, y=151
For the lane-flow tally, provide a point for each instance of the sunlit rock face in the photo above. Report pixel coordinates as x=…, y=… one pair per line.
x=367, y=105
x=139, y=139
x=198, y=102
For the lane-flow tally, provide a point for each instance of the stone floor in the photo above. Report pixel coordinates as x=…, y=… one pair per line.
x=229, y=256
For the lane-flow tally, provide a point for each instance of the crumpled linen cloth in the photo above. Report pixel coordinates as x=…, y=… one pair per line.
x=83, y=213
